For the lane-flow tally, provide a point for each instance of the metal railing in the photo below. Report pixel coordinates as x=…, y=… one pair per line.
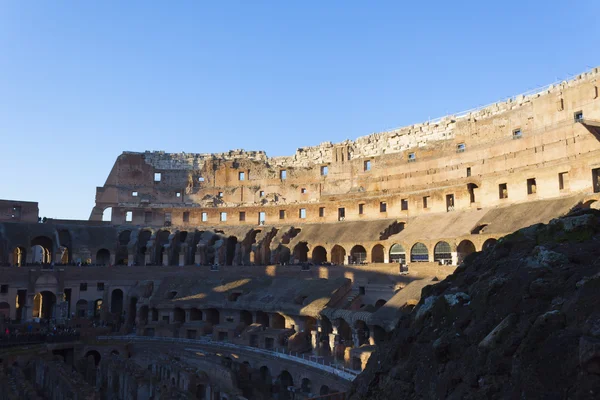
x=309, y=361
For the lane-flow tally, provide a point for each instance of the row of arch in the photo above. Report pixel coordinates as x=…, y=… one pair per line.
x=419, y=252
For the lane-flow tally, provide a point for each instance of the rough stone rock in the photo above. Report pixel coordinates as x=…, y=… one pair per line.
x=526, y=333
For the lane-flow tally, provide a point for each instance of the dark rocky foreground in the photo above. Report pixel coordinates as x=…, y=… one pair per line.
x=519, y=321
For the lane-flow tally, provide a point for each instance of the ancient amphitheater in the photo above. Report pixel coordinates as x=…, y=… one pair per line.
x=236, y=275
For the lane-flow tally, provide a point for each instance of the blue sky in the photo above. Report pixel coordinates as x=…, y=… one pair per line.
x=82, y=81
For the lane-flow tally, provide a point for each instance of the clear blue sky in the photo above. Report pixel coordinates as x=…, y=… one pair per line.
x=82, y=81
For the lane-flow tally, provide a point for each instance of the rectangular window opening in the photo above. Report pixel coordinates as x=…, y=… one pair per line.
x=412, y=157
x=460, y=148
x=449, y=202
x=3, y=289
x=242, y=216
x=178, y=194
x=200, y=179
x=425, y=201
x=321, y=212
x=283, y=174
x=383, y=206
x=223, y=217
x=341, y=214
x=563, y=181
x=186, y=216
x=261, y=193
x=503, y=191
x=596, y=180
x=531, y=186
x=468, y=171
x=303, y=190
x=324, y=170
x=367, y=165
x=100, y=286
x=361, y=209
x=517, y=134
x=302, y=213
x=157, y=176
x=242, y=176
x=134, y=194
x=404, y=204
x=262, y=218
x=148, y=217
x=204, y=217
x=83, y=287
x=578, y=116
x=129, y=216
x=281, y=214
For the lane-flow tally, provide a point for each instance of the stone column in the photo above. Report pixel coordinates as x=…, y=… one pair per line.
x=314, y=341
x=332, y=342
x=386, y=256
x=130, y=259
x=371, y=335
x=355, y=338
x=181, y=259
x=147, y=258
x=454, y=258
x=165, y=259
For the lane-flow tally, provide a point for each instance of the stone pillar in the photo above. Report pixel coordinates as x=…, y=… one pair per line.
x=386, y=256
x=314, y=341
x=147, y=258
x=332, y=342
x=371, y=335
x=113, y=258
x=355, y=338
x=347, y=259
x=130, y=259
x=454, y=258
x=27, y=314
x=187, y=315
x=165, y=259
x=181, y=259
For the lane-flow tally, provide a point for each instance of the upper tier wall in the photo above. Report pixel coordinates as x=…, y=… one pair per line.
x=389, y=142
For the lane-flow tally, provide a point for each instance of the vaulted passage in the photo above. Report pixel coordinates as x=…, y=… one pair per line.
x=358, y=254
x=301, y=252
x=338, y=255
x=464, y=248
x=378, y=254
x=419, y=253
x=319, y=255
x=397, y=254
x=442, y=253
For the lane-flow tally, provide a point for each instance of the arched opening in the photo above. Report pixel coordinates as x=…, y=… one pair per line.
x=107, y=214
x=397, y=254
x=379, y=303
x=64, y=240
x=471, y=188
x=343, y=330
x=419, y=253
x=162, y=241
x=265, y=375
x=277, y=321
x=154, y=315
x=143, y=239
x=95, y=355
x=213, y=316
x=285, y=381
x=488, y=244
x=195, y=314
x=98, y=308
x=200, y=392
x=358, y=254
x=116, y=301
x=324, y=390
x=306, y=385
x=464, y=248
x=442, y=253
x=319, y=255
x=4, y=311
x=379, y=334
x=230, y=251
x=378, y=254
x=143, y=315
x=103, y=257
x=41, y=248
x=179, y=315
x=301, y=252
x=362, y=331
x=338, y=255
x=81, y=308
x=132, y=312
x=246, y=317
x=124, y=237
x=262, y=318
x=43, y=305
x=122, y=253
x=19, y=256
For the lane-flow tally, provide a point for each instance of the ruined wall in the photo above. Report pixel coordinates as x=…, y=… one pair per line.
x=455, y=163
